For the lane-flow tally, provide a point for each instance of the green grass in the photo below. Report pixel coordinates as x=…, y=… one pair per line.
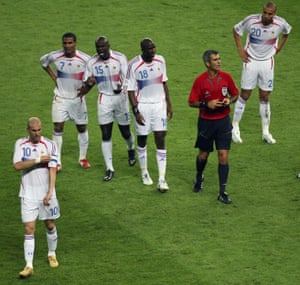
x=121, y=232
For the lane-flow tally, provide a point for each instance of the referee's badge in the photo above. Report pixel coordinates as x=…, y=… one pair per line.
x=224, y=91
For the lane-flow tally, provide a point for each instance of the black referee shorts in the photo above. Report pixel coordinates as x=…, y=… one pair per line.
x=214, y=131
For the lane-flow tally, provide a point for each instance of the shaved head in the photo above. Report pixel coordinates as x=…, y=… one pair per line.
x=33, y=121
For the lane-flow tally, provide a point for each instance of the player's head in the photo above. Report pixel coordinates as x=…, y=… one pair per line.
x=69, y=35
x=102, y=47
x=269, y=11
x=212, y=60
x=148, y=49
x=69, y=42
x=34, y=128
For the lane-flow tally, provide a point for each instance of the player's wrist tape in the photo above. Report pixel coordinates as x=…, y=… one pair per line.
x=135, y=110
x=38, y=159
x=203, y=104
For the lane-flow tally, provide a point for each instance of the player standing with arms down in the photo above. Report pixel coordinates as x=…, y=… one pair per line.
x=108, y=70
x=212, y=93
x=258, y=63
x=70, y=65
x=36, y=157
x=151, y=105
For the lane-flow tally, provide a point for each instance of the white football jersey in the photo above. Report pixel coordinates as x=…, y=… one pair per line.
x=261, y=42
x=146, y=79
x=108, y=73
x=35, y=181
x=70, y=71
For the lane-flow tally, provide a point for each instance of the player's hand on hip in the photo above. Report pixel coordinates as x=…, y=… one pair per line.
x=245, y=57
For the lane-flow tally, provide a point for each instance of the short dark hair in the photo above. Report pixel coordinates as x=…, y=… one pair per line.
x=145, y=42
x=207, y=54
x=69, y=35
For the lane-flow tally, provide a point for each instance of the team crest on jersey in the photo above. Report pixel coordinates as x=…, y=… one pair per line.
x=224, y=91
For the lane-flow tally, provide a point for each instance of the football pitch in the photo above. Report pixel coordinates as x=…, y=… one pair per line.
x=124, y=233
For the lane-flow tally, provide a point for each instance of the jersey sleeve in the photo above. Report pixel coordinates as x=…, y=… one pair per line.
x=244, y=25
x=53, y=154
x=130, y=79
x=195, y=92
x=286, y=27
x=18, y=154
x=238, y=28
x=46, y=59
x=124, y=67
x=164, y=71
x=88, y=71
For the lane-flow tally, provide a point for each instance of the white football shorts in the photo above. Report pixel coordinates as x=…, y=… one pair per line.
x=155, y=115
x=113, y=107
x=31, y=210
x=69, y=109
x=259, y=73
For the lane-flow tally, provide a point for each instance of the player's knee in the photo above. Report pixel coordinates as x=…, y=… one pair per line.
x=142, y=141
x=58, y=127
x=29, y=229
x=81, y=128
x=106, y=135
x=50, y=225
x=125, y=131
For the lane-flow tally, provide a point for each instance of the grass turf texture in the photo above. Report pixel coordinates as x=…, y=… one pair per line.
x=122, y=232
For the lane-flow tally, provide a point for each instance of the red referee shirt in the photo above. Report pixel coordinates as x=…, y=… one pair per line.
x=206, y=89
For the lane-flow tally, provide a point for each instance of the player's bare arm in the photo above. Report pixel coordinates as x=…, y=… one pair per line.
x=22, y=165
x=243, y=54
x=51, y=73
x=52, y=179
x=138, y=116
x=282, y=42
x=168, y=100
x=87, y=86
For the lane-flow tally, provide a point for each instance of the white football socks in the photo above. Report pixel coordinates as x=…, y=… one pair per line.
x=52, y=241
x=239, y=109
x=142, y=156
x=29, y=244
x=58, y=139
x=107, y=154
x=161, y=158
x=83, y=141
x=265, y=113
